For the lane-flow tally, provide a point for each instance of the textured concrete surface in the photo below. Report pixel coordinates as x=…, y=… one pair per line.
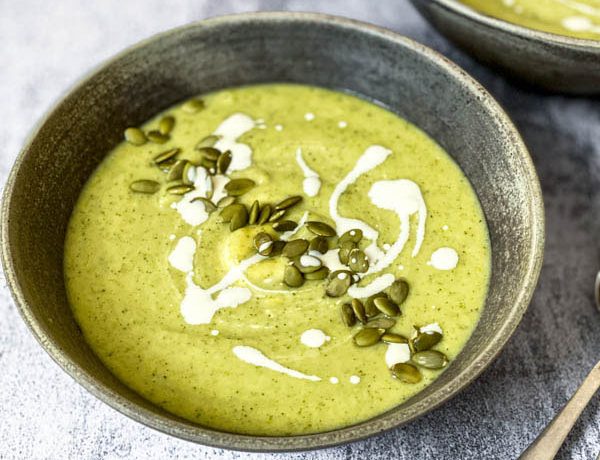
x=46, y=46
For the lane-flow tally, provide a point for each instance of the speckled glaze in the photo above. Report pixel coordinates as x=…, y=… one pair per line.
x=412, y=80
x=552, y=62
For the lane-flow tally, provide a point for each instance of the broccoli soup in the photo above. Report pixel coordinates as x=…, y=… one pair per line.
x=277, y=259
x=574, y=18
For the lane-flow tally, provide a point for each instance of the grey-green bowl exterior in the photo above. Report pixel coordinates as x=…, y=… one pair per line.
x=411, y=79
x=552, y=62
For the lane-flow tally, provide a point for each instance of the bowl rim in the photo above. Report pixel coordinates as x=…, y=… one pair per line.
x=272, y=444
x=461, y=9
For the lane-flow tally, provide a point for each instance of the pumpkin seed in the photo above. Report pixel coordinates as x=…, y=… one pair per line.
x=265, y=213
x=295, y=248
x=156, y=137
x=210, y=166
x=144, y=186
x=359, y=310
x=390, y=337
x=307, y=264
x=348, y=316
x=166, y=155
x=344, y=253
x=288, y=202
x=354, y=236
x=135, y=136
x=238, y=187
x=225, y=201
x=277, y=215
x=188, y=173
x=166, y=165
x=239, y=219
x=370, y=308
x=292, y=276
x=319, y=274
x=381, y=323
x=180, y=189
x=254, y=211
x=277, y=248
x=398, y=291
x=165, y=125
x=263, y=243
x=229, y=211
x=426, y=340
x=210, y=153
x=209, y=206
x=284, y=226
x=367, y=337
x=193, y=105
x=386, y=306
x=176, y=171
x=357, y=261
x=319, y=244
x=207, y=141
x=339, y=283
x=224, y=161
x=406, y=373
x=320, y=228
x=430, y=359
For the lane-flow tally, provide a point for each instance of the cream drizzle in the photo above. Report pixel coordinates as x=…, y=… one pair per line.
x=397, y=353
x=377, y=285
x=228, y=132
x=401, y=196
x=198, y=305
x=444, y=259
x=314, y=338
x=182, y=256
x=580, y=24
x=330, y=259
x=311, y=183
x=257, y=358
x=433, y=327
x=194, y=212
x=370, y=159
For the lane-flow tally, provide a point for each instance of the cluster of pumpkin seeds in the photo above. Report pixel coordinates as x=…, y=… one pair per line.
x=161, y=135
x=376, y=316
x=238, y=215
x=421, y=355
x=301, y=267
x=179, y=175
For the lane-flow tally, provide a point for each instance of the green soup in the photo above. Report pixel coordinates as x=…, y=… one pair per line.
x=574, y=18
x=179, y=305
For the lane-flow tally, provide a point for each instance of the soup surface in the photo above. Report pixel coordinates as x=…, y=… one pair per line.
x=574, y=18
x=175, y=299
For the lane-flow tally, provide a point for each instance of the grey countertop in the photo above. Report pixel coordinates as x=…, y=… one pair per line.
x=46, y=46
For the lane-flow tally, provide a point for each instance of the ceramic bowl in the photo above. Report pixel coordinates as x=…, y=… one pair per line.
x=552, y=62
x=410, y=79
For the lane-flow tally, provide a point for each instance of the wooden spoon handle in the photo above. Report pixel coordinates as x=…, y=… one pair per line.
x=547, y=444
